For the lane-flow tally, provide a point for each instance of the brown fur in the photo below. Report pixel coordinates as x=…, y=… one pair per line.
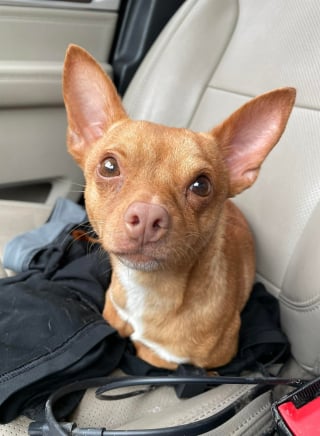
x=198, y=274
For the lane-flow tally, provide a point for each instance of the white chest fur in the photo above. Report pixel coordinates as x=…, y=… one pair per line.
x=135, y=299
x=133, y=312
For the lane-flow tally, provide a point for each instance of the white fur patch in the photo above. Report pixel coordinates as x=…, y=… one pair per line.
x=134, y=310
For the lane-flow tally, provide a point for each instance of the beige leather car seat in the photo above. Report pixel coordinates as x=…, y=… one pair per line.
x=212, y=57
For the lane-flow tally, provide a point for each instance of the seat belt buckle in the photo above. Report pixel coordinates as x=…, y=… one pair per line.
x=298, y=413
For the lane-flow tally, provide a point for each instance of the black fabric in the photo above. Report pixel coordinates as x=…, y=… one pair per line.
x=52, y=331
x=51, y=328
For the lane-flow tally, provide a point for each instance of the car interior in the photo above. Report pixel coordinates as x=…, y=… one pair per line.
x=184, y=64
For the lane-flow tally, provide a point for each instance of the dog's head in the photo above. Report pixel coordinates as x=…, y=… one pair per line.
x=154, y=194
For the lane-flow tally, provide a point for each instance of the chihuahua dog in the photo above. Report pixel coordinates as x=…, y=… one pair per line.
x=181, y=252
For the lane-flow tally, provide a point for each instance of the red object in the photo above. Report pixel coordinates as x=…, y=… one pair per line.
x=304, y=421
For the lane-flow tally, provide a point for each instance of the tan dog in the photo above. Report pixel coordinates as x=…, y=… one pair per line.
x=181, y=252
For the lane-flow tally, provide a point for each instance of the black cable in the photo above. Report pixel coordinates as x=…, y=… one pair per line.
x=210, y=381
x=52, y=428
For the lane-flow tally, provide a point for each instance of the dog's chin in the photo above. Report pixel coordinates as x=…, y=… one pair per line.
x=139, y=262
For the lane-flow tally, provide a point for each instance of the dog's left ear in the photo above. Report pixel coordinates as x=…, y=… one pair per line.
x=249, y=134
x=91, y=101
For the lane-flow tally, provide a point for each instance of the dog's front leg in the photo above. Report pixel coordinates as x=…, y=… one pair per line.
x=111, y=315
x=145, y=353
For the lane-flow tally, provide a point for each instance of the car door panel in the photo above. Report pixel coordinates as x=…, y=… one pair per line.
x=109, y=5
x=33, y=40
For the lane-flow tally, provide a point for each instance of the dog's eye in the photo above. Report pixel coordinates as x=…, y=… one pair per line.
x=109, y=167
x=201, y=186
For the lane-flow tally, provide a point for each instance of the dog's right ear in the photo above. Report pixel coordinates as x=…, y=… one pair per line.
x=91, y=101
x=249, y=134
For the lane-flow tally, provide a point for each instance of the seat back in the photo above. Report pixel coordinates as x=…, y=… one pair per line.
x=212, y=57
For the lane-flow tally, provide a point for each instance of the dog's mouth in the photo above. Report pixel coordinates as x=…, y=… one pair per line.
x=139, y=261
